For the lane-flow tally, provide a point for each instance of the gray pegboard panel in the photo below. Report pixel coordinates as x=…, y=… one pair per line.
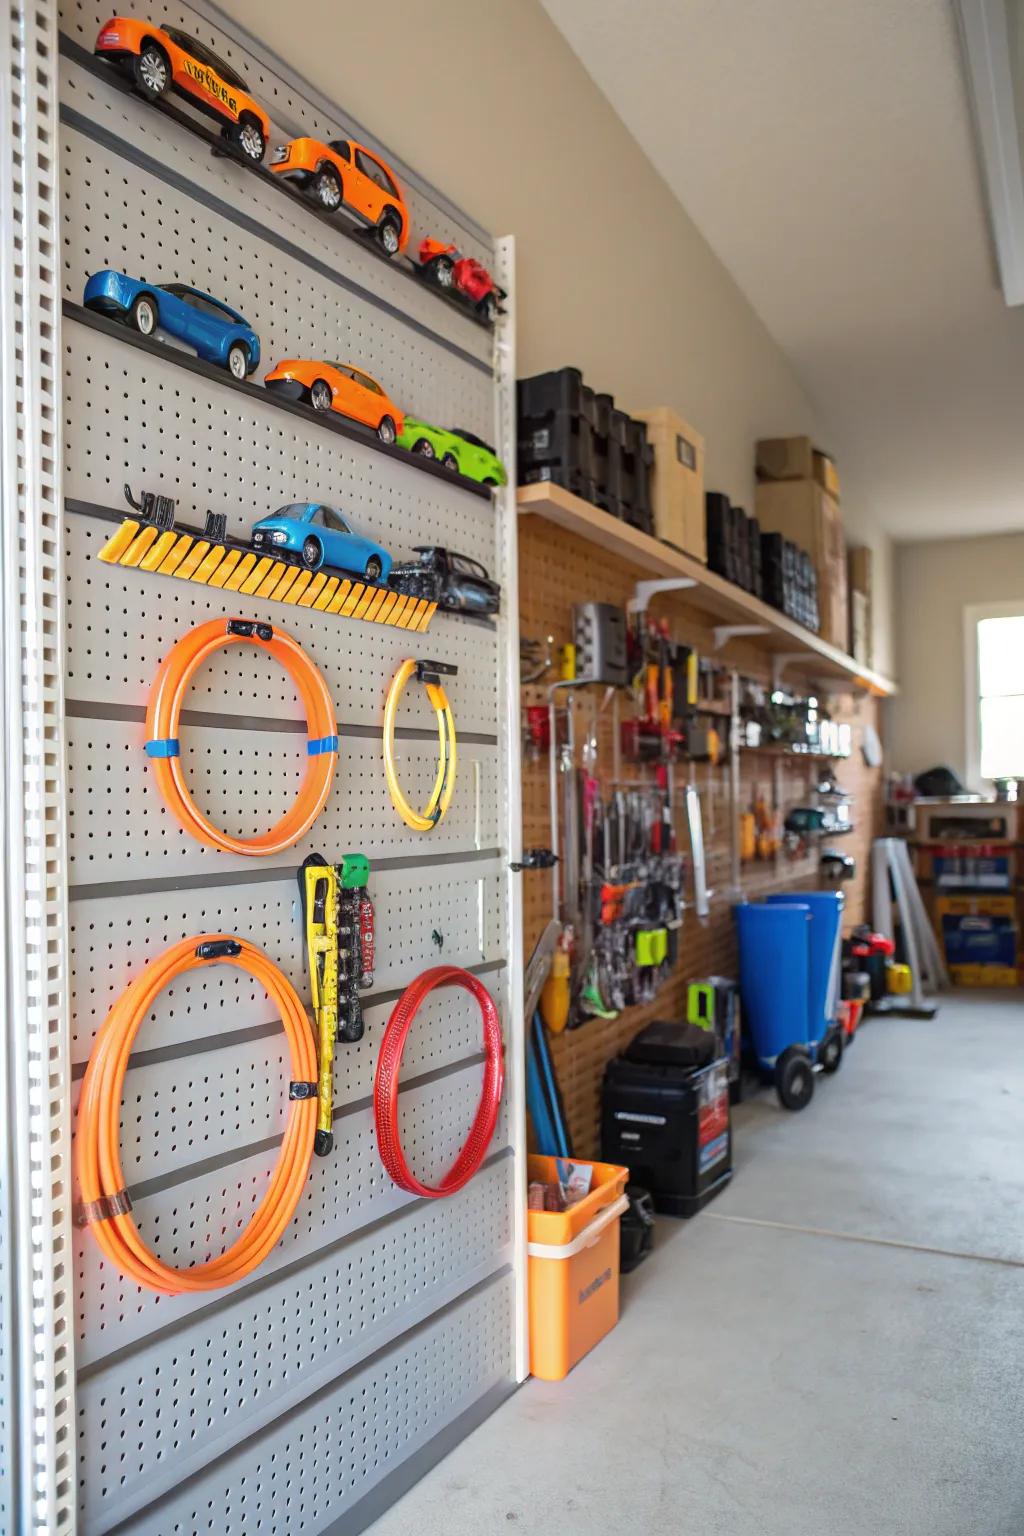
x=314, y=1463
x=115, y=937
x=357, y=1295
x=183, y=1107
x=130, y=416
x=244, y=781
x=114, y=648
x=291, y=109
x=114, y=216
x=172, y=156
x=190, y=1217
x=377, y=1313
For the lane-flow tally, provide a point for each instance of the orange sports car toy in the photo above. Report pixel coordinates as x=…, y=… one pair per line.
x=338, y=387
x=161, y=59
x=344, y=174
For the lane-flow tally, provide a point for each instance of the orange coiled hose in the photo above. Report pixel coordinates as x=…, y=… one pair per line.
x=105, y=1203
x=164, y=713
x=385, y=1086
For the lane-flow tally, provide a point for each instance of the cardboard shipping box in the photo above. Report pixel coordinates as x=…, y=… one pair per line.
x=803, y=512
x=795, y=458
x=677, y=480
x=861, y=629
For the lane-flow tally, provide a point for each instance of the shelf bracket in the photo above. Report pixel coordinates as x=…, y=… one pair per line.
x=781, y=660
x=645, y=590
x=723, y=633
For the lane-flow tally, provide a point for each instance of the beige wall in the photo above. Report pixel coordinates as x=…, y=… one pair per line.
x=934, y=583
x=487, y=101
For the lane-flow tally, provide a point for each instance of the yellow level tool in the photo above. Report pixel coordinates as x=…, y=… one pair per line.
x=321, y=910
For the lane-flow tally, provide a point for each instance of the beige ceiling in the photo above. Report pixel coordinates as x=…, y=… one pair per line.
x=824, y=148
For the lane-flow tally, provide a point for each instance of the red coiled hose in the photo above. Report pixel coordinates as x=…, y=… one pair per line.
x=385, y=1087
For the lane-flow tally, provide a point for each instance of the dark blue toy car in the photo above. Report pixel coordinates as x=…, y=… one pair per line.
x=216, y=333
x=321, y=536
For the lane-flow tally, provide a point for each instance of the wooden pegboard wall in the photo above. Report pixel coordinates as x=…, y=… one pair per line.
x=556, y=570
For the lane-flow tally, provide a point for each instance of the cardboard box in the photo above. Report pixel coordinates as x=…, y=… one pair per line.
x=677, y=480
x=966, y=821
x=859, y=557
x=803, y=512
x=795, y=458
x=860, y=627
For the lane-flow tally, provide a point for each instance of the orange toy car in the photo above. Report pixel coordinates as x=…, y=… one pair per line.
x=344, y=174
x=160, y=59
x=338, y=387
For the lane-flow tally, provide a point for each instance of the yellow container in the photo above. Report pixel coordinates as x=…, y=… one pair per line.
x=573, y=1265
x=898, y=980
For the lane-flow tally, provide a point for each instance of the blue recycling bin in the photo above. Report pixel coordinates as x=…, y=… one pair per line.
x=826, y=931
x=787, y=947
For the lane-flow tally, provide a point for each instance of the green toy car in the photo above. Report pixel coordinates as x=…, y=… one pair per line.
x=462, y=452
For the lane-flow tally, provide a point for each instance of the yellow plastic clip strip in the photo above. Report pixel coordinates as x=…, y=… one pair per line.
x=169, y=566
x=190, y=564
x=139, y=545
x=153, y=557
x=240, y=572
x=312, y=592
x=211, y=560
x=227, y=565
x=118, y=542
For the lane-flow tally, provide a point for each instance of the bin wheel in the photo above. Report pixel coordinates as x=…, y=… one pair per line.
x=794, y=1078
x=831, y=1053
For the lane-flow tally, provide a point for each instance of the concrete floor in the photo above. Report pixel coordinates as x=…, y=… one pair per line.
x=783, y=1366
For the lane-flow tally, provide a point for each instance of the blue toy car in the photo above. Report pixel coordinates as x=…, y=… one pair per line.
x=216, y=333
x=321, y=536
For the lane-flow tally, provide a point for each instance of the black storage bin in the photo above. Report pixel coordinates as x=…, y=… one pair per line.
x=671, y=1127
x=556, y=431
x=718, y=523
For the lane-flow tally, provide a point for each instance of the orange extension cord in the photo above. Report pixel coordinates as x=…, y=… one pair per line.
x=389, y=1063
x=164, y=713
x=98, y=1155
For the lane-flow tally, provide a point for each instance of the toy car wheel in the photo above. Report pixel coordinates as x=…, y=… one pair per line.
x=488, y=307
x=373, y=569
x=794, y=1078
x=386, y=430
x=451, y=462
x=424, y=448
x=312, y=553
x=248, y=135
x=831, y=1053
x=327, y=189
x=489, y=480
x=152, y=71
x=144, y=315
x=320, y=397
x=238, y=361
x=390, y=236
x=444, y=271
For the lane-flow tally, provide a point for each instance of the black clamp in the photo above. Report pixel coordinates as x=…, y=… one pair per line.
x=249, y=629
x=218, y=949
x=302, y=1090
x=535, y=858
x=154, y=509
x=216, y=527
x=432, y=671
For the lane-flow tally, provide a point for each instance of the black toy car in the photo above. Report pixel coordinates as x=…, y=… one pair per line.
x=454, y=582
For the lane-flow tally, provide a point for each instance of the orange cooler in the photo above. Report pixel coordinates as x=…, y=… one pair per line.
x=573, y=1269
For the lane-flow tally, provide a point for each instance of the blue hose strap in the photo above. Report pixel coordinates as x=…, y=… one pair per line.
x=164, y=746
x=319, y=744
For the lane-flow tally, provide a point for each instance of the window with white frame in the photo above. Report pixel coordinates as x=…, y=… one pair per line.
x=995, y=701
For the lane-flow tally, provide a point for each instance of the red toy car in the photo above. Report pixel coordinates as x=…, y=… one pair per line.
x=446, y=266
